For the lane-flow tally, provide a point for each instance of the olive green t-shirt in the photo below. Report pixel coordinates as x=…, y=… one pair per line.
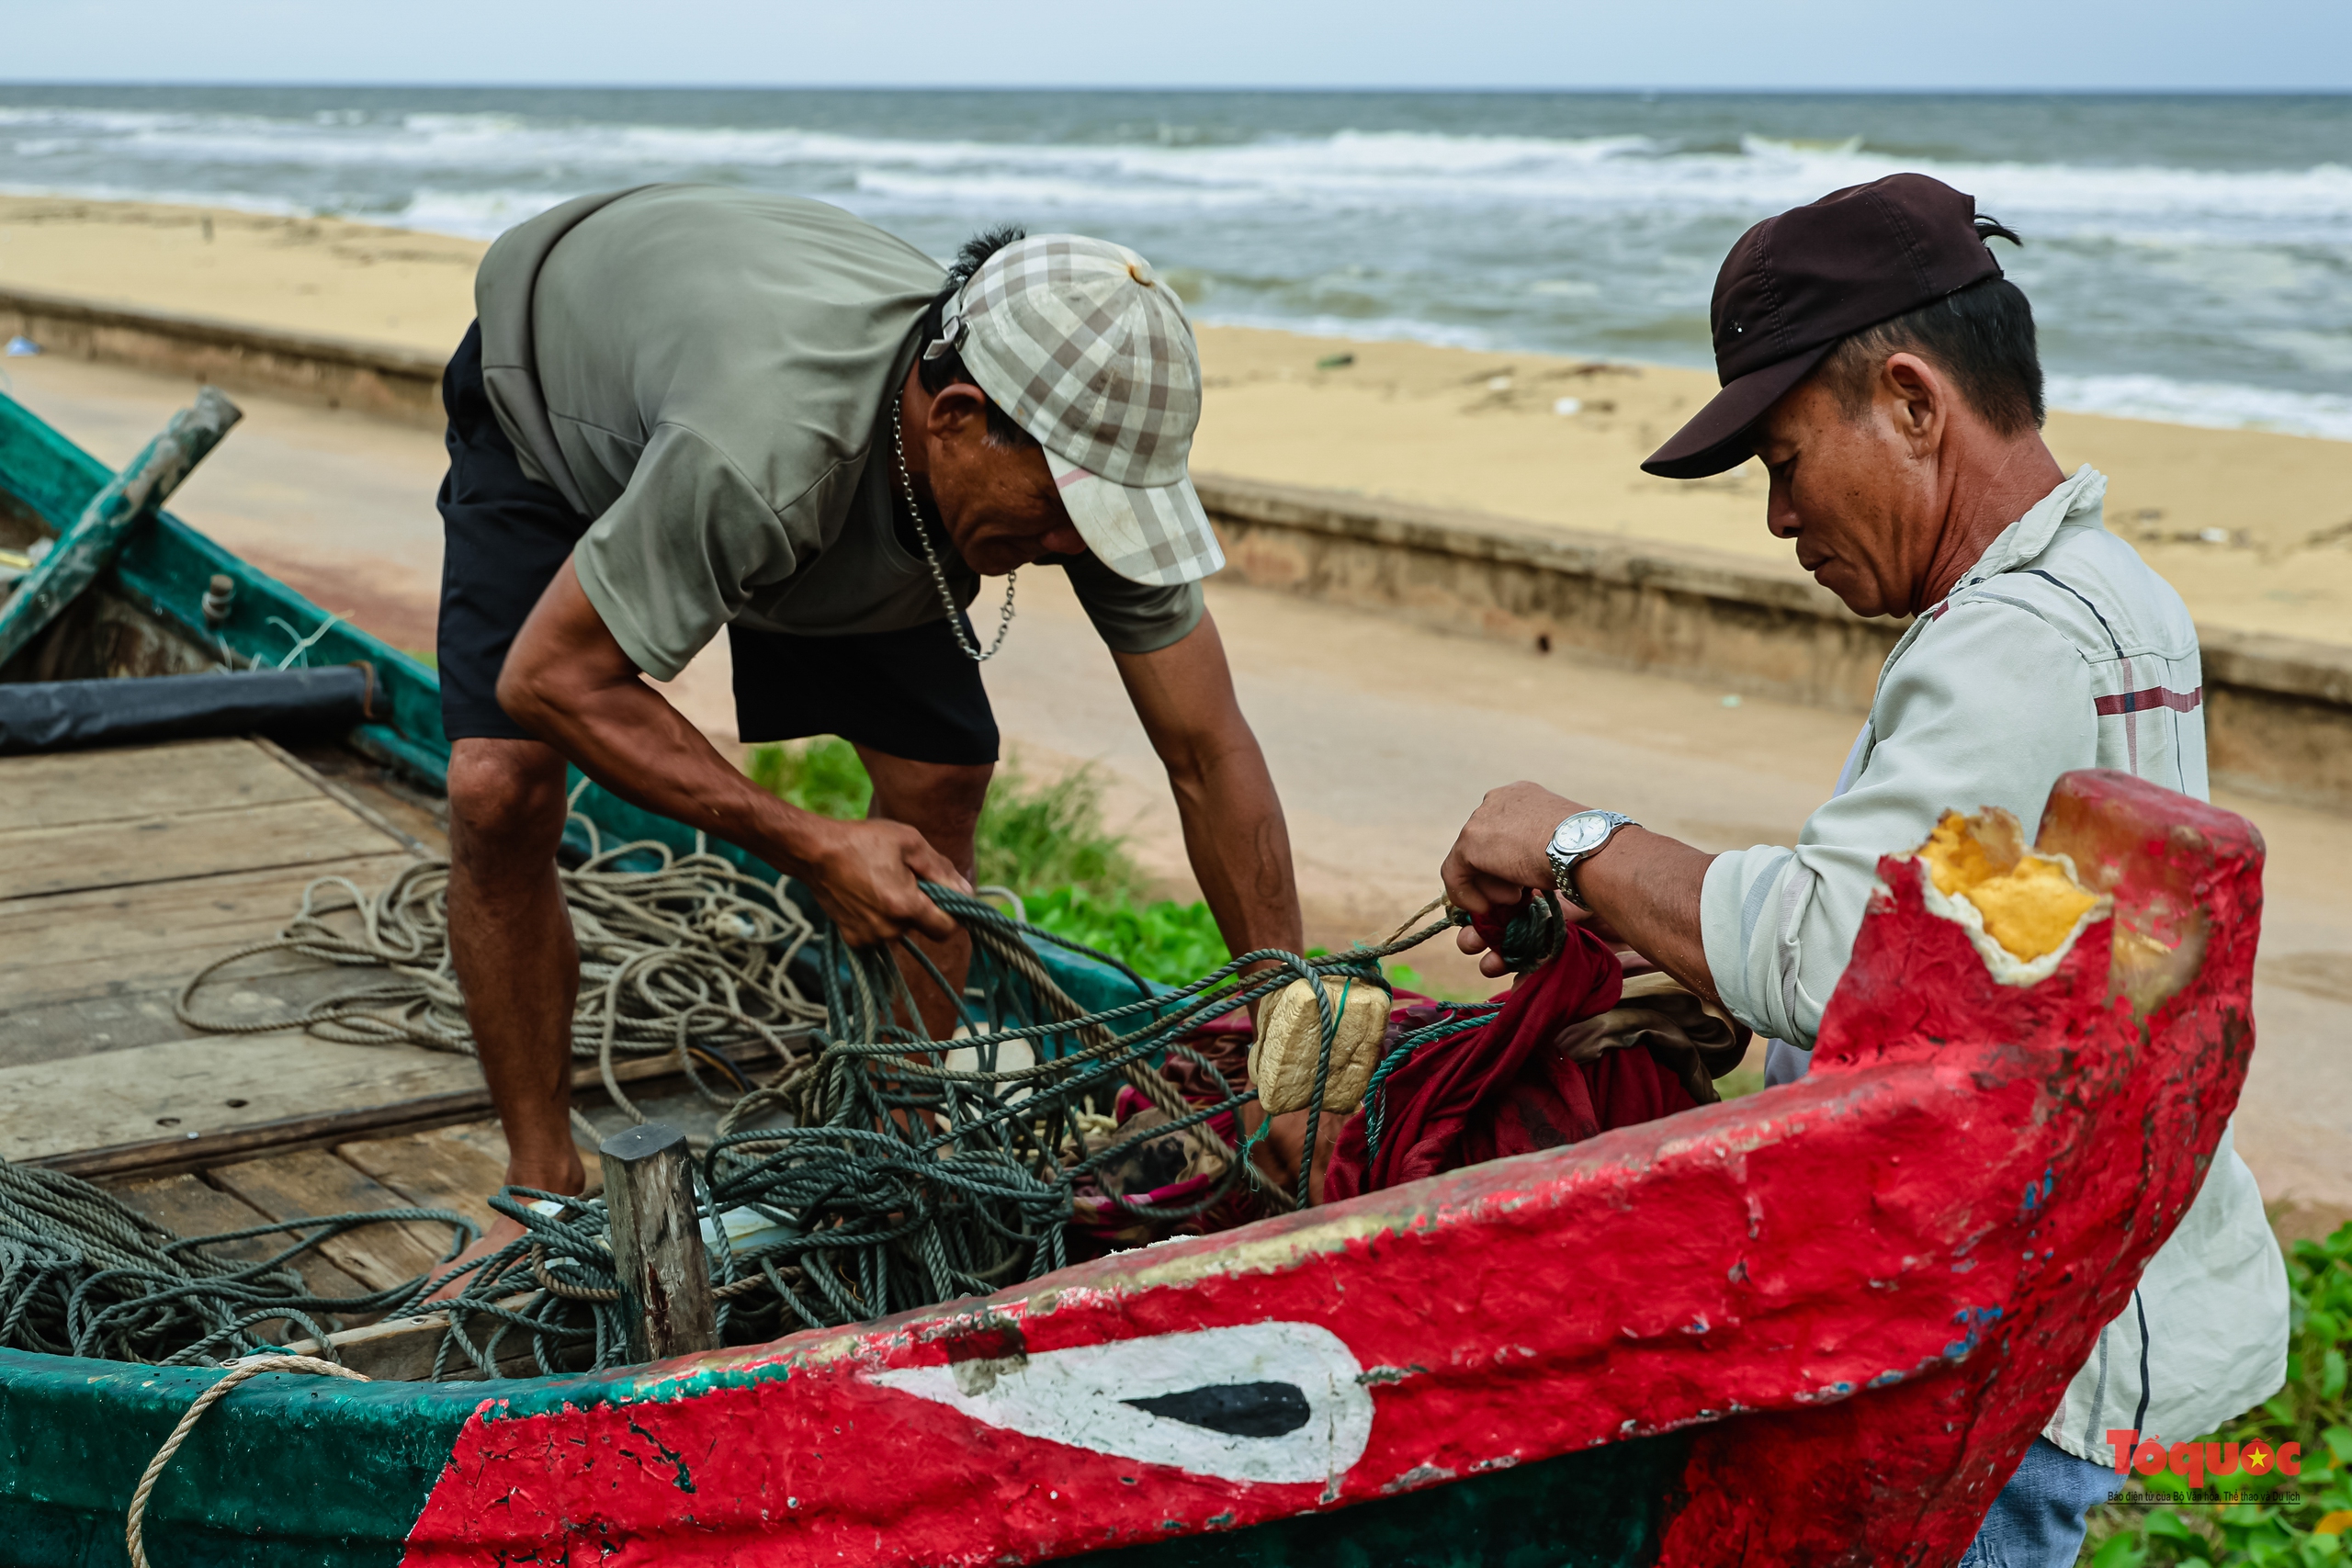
x=707, y=374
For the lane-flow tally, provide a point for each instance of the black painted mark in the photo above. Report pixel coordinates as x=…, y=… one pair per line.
x=1235, y=1409
x=683, y=1480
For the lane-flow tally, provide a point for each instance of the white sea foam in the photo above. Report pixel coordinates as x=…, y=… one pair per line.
x=2143, y=273
x=1356, y=329
x=2220, y=405
x=271, y=207
x=477, y=214
x=1346, y=169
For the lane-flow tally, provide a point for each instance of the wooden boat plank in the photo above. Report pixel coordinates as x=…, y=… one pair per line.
x=352, y=801
x=449, y=1167
x=107, y=940
x=313, y=1182
x=424, y=817
x=403, y=1350
x=68, y=789
x=85, y=1026
x=189, y=1091
x=190, y=1206
x=98, y=970
x=289, y=1106
x=165, y=847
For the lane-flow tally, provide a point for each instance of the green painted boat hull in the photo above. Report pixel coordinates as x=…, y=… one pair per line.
x=315, y=1474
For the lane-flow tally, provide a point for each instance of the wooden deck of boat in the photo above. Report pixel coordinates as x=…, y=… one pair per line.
x=122, y=873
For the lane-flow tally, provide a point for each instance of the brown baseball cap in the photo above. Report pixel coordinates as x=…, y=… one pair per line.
x=1794, y=284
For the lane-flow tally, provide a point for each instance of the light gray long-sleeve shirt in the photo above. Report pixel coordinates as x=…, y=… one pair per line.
x=2058, y=649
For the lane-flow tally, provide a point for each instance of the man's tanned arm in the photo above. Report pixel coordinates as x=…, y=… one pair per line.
x=1234, y=831
x=568, y=681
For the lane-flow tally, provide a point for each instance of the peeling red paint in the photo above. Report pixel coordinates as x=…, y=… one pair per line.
x=1838, y=1282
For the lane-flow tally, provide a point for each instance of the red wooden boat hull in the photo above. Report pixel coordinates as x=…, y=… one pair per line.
x=1864, y=1292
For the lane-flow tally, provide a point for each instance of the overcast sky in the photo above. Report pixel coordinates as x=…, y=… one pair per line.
x=1859, y=44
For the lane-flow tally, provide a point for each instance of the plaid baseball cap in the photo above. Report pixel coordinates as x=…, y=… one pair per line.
x=1086, y=349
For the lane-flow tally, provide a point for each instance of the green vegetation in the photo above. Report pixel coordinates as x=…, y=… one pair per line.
x=823, y=776
x=1047, y=842
x=1035, y=838
x=1161, y=941
x=2299, y=1520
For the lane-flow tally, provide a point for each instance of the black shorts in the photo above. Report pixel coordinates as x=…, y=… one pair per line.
x=910, y=693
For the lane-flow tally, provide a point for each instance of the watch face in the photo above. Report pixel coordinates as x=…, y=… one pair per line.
x=1582, y=833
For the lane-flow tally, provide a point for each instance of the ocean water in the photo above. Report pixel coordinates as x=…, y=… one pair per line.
x=2190, y=258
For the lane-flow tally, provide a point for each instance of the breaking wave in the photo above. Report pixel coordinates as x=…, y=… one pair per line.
x=2171, y=282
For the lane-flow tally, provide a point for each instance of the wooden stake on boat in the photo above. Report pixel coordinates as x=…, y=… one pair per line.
x=656, y=1243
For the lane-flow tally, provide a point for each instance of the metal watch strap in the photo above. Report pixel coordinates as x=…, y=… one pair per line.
x=1564, y=867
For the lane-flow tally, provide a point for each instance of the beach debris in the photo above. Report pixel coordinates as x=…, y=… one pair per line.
x=2338, y=534
x=1335, y=362
x=21, y=347
x=1565, y=406
x=1732, y=700
x=1499, y=383
x=2151, y=531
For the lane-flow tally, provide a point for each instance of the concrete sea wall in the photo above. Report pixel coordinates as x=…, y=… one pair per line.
x=2279, y=710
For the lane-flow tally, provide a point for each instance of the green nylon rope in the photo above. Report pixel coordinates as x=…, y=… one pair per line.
x=890, y=1180
x=84, y=1274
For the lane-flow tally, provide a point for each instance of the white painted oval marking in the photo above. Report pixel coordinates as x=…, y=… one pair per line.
x=1079, y=1396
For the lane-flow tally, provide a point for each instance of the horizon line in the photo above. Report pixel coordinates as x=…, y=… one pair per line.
x=1324, y=88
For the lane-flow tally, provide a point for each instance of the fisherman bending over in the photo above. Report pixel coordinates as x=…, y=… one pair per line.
x=688, y=408
x=1874, y=358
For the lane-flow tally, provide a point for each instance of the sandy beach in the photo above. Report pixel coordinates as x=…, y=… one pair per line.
x=2254, y=529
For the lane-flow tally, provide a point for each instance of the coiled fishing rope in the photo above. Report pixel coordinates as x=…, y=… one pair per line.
x=84, y=1274
x=687, y=960
x=893, y=1170
x=895, y=1174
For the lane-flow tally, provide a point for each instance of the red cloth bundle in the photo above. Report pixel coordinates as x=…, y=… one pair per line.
x=1505, y=1089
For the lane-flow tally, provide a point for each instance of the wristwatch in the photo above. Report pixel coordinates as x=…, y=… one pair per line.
x=1577, y=839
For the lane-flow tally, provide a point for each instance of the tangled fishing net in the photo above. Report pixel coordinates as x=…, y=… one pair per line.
x=860, y=1167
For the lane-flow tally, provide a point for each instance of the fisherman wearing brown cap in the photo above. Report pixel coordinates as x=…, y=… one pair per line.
x=1878, y=365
